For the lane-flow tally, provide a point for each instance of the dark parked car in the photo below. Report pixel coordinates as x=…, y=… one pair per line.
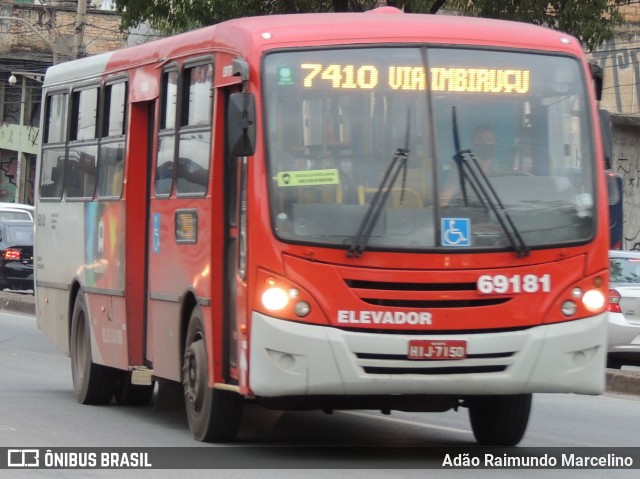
x=16, y=254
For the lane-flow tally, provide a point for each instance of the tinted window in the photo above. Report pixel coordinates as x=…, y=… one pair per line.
x=198, y=83
x=170, y=99
x=52, y=173
x=164, y=167
x=84, y=114
x=112, y=146
x=625, y=270
x=56, y=118
x=115, y=109
x=192, y=171
x=111, y=169
x=21, y=234
x=80, y=172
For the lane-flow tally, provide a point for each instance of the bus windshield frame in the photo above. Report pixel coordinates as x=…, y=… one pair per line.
x=336, y=118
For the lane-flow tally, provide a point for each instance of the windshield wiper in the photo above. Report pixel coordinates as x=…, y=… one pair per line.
x=470, y=171
x=398, y=164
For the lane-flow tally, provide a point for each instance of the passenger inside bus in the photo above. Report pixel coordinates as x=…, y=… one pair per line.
x=484, y=147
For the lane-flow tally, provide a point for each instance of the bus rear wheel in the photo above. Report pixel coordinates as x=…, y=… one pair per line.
x=499, y=420
x=92, y=383
x=214, y=415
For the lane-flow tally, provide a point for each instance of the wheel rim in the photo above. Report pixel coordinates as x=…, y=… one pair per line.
x=194, y=376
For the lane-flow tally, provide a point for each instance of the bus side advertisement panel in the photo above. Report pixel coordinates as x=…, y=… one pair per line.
x=104, y=246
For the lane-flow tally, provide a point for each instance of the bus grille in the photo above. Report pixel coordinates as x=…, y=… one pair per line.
x=421, y=295
x=436, y=370
x=395, y=364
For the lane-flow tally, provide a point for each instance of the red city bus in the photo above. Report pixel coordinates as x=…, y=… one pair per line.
x=296, y=211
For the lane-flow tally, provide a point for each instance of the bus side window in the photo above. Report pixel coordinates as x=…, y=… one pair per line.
x=194, y=147
x=112, y=143
x=53, y=150
x=166, y=135
x=80, y=167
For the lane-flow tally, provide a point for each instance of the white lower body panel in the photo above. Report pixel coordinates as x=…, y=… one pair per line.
x=295, y=359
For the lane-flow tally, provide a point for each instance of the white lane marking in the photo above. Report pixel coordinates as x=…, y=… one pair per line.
x=406, y=421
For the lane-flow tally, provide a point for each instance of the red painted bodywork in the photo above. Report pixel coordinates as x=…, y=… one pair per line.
x=319, y=273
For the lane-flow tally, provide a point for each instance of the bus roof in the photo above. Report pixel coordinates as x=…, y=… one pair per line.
x=250, y=36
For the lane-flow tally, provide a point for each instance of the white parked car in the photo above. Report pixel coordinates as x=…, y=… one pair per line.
x=624, y=309
x=16, y=211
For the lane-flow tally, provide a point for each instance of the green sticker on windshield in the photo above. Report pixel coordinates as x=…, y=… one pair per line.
x=285, y=76
x=309, y=177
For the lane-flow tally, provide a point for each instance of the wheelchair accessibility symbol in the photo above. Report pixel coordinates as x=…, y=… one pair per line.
x=455, y=231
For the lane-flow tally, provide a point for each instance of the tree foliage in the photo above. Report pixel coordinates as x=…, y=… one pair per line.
x=592, y=21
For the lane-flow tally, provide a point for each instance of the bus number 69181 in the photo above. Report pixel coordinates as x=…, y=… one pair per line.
x=503, y=284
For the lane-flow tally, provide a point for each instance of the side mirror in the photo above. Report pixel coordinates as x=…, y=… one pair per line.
x=241, y=124
x=606, y=132
x=598, y=79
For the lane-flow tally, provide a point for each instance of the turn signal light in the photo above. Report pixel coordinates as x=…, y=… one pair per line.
x=614, y=301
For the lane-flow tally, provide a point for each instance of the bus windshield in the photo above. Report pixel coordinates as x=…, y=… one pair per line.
x=337, y=119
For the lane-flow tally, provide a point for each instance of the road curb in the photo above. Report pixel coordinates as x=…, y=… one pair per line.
x=623, y=381
x=19, y=302
x=619, y=381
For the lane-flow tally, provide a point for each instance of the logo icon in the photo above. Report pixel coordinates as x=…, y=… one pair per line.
x=23, y=458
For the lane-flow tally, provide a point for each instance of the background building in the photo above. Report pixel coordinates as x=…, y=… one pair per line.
x=620, y=59
x=33, y=36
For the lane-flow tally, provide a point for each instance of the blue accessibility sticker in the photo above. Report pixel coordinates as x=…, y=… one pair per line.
x=455, y=232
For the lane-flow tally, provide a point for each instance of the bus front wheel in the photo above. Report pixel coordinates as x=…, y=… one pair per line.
x=213, y=415
x=92, y=383
x=499, y=420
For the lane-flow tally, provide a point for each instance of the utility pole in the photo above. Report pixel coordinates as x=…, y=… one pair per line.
x=32, y=28
x=81, y=16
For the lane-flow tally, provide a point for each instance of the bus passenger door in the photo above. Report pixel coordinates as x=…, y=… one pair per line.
x=234, y=313
x=137, y=211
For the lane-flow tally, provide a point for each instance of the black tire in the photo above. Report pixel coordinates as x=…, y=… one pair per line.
x=92, y=383
x=214, y=415
x=499, y=420
x=128, y=394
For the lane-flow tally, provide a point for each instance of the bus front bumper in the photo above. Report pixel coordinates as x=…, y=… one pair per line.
x=295, y=359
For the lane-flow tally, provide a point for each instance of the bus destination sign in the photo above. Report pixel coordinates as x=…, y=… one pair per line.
x=412, y=78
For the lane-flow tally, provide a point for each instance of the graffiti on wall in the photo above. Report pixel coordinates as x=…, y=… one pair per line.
x=8, y=178
x=620, y=59
x=629, y=169
x=7, y=181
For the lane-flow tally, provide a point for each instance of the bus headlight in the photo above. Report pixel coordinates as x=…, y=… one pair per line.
x=569, y=308
x=594, y=300
x=282, y=296
x=302, y=308
x=275, y=299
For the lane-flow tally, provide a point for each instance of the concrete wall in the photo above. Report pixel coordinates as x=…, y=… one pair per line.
x=620, y=59
x=626, y=154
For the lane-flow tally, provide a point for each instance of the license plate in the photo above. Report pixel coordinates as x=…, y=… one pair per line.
x=424, y=349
